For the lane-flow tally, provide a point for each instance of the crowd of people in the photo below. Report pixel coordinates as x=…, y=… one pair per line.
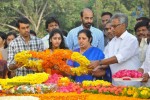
x=111, y=49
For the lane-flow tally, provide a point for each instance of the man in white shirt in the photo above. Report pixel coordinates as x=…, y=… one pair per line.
x=122, y=51
x=145, y=68
x=143, y=36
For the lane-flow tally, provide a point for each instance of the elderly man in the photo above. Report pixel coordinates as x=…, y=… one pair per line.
x=122, y=51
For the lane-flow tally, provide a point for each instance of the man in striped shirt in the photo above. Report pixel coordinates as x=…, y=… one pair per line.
x=24, y=41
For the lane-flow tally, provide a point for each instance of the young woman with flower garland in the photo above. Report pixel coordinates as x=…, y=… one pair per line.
x=56, y=41
x=91, y=53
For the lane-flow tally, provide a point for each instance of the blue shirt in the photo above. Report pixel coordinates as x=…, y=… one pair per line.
x=98, y=38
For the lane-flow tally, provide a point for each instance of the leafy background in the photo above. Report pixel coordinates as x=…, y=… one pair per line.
x=67, y=12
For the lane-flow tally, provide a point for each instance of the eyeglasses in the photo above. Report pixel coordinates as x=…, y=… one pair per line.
x=114, y=26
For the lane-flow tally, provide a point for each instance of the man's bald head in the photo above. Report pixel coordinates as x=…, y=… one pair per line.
x=86, y=10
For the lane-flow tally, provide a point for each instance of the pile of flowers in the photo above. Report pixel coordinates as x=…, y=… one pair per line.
x=114, y=90
x=48, y=60
x=127, y=73
x=65, y=85
x=36, y=78
x=33, y=89
x=53, y=79
x=57, y=83
x=137, y=92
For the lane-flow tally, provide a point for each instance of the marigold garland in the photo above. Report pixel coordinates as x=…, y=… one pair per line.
x=58, y=58
x=83, y=61
x=24, y=56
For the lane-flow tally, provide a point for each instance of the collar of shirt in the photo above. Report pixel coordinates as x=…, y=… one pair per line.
x=122, y=36
x=46, y=37
x=31, y=37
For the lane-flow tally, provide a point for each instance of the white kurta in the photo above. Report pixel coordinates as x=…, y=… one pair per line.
x=146, y=65
x=125, y=48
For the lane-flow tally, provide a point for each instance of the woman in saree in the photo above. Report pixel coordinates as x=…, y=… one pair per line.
x=91, y=53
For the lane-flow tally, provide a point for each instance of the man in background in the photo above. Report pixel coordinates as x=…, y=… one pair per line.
x=50, y=24
x=87, y=21
x=105, y=17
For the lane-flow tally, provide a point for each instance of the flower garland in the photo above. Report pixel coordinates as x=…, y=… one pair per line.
x=49, y=60
x=57, y=58
x=36, y=78
x=83, y=61
x=23, y=58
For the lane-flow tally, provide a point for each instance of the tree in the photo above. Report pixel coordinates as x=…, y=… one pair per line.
x=67, y=11
x=29, y=9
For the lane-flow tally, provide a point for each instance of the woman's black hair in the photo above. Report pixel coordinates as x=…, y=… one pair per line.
x=87, y=33
x=141, y=24
x=3, y=36
x=52, y=33
x=11, y=33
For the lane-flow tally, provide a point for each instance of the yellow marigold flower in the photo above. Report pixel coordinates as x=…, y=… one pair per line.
x=22, y=57
x=83, y=61
x=144, y=92
x=136, y=94
x=36, y=78
x=130, y=92
x=96, y=83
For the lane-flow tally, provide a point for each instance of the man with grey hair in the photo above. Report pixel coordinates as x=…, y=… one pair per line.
x=119, y=54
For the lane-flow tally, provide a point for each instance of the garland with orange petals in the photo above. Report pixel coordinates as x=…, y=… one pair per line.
x=54, y=60
x=57, y=58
